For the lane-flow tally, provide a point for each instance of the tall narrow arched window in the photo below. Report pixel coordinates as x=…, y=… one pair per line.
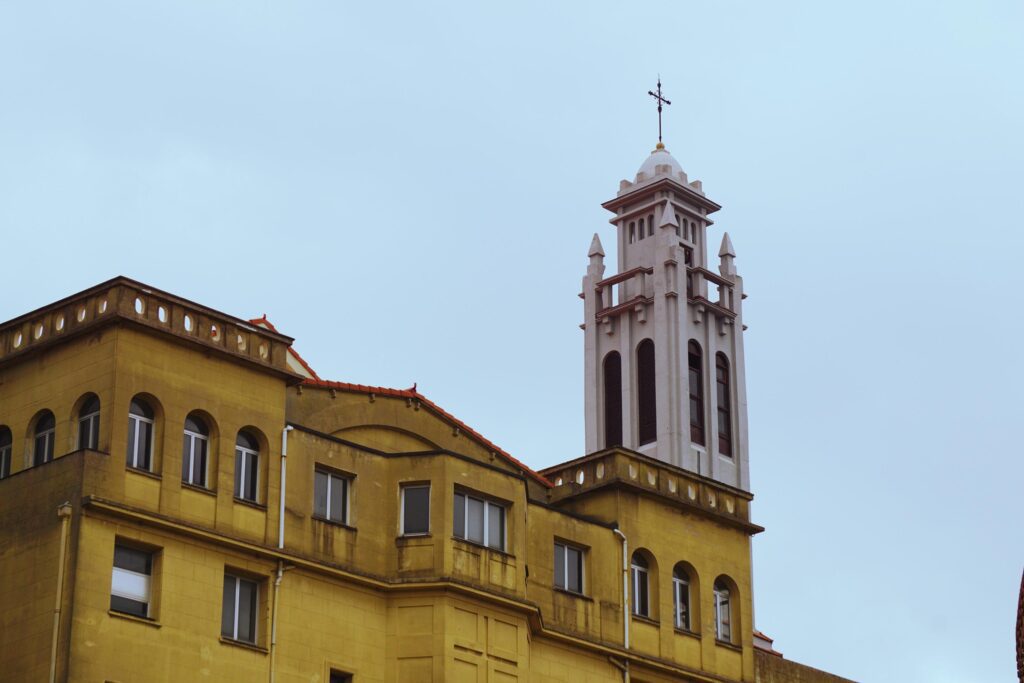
x=89, y=423
x=247, y=467
x=681, y=597
x=140, y=434
x=640, y=572
x=5, y=452
x=42, y=451
x=612, y=400
x=724, y=405
x=194, y=450
x=723, y=611
x=646, y=397
x=696, y=363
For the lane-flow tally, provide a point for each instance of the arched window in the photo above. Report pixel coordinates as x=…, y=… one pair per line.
x=194, y=451
x=641, y=585
x=612, y=400
x=681, y=597
x=695, y=360
x=650, y=225
x=724, y=405
x=89, y=423
x=647, y=419
x=643, y=233
x=247, y=467
x=5, y=452
x=723, y=611
x=140, y=434
x=43, y=444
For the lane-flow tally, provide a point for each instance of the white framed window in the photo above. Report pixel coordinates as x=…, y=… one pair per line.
x=723, y=612
x=5, y=452
x=415, y=510
x=194, y=451
x=569, y=568
x=330, y=496
x=681, y=598
x=241, y=601
x=89, y=423
x=247, y=467
x=131, y=581
x=641, y=585
x=43, y=442
x=480, y=521
x=140, y=435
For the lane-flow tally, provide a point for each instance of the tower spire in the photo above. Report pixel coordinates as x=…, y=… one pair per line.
x=660, y=99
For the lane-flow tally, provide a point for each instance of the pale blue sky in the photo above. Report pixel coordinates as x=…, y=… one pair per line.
x=410, y=190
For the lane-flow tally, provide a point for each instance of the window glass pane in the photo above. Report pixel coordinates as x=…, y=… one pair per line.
x=186, y=458
x=140, y=407
x=83, y=434
x=91, y=405
x=495, y=526
x=459, y=530
x=247, y=610
x=573, y=564
x=129, y=606
x=199, y=466
x=559, y=565
x=131, y=440
x=338, y=498
x=133, y=560
x=227, y=616
x=251, y=475
x=475, y=520
x=5, y=437
x=130, y=585
x=145, y=441
x=642, y=594
x=239, y=464
x=320, y=494
x=246, y=441
x=416, y=513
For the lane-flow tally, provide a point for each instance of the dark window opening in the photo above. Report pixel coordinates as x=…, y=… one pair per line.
x=724, y=405
x=696, y=393
x=646, y=396
x=612, y=400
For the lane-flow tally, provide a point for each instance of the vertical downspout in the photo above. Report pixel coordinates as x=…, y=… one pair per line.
x=64, y=514
x=625, y=601
x=280, y=545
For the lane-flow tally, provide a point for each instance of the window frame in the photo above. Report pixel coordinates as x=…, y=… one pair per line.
x=238, y=580
x=681, y=619
x=90, y=421
x=636, y=572
x=192, y=438
x=346, y=495
x=48, y=436
x=581, y=572
x=134, y=422
x=723, y=606
x=128, y=575
x=243, y=454
x=487, y=503
x=401, y=511
x=695, y=386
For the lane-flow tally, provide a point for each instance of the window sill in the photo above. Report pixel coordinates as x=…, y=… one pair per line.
x=145, y=473
x=413, y=537
x=244, y=645
x=250, y=503
x=686, y=632
x=573, y=594
x=332, y=522
x=131, y=617
x=198, y=489
x=645, y=620
x=726, y=644
x=481, y=546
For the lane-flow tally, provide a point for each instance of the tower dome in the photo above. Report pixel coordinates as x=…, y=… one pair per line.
x=660, y=162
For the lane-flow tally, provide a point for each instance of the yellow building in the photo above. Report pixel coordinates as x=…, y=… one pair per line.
x=184, y=499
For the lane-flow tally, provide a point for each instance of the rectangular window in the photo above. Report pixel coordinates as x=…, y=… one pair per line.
x=479, y=521
x=131, y=580
x=44, y=447
x=641, y=604
x=681, y=600
x=193, y=458
x=5, y=461
x=568, y=568
x=89, y=431
x=238, y=620
x=140, y=441
x=330, y=496
x=415, y=510
x=339, y=677
x=723, y=626
x=246, y=473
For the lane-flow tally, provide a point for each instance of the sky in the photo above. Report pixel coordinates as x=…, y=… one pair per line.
x=410, y=190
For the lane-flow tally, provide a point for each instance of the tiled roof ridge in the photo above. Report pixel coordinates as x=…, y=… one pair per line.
x=291, y=349
x=413, y=393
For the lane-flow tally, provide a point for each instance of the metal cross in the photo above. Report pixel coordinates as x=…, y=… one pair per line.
x=658, y=97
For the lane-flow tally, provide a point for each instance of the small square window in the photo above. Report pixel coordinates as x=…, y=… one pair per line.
x=415, y=510
x=568, y=568
x=241, y=601
x=330, y=496
x=131, y=581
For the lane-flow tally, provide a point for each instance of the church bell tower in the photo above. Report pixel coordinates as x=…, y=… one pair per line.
x=664, y=369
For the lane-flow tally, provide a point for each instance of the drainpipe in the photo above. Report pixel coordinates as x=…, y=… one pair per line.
x=64, y=514
x=273, y=618
x=284, y=475
x=624, y=667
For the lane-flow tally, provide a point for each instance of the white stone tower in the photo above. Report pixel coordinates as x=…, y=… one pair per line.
x=664, y=336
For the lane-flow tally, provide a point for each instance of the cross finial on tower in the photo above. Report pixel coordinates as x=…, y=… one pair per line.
x=660, y=100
